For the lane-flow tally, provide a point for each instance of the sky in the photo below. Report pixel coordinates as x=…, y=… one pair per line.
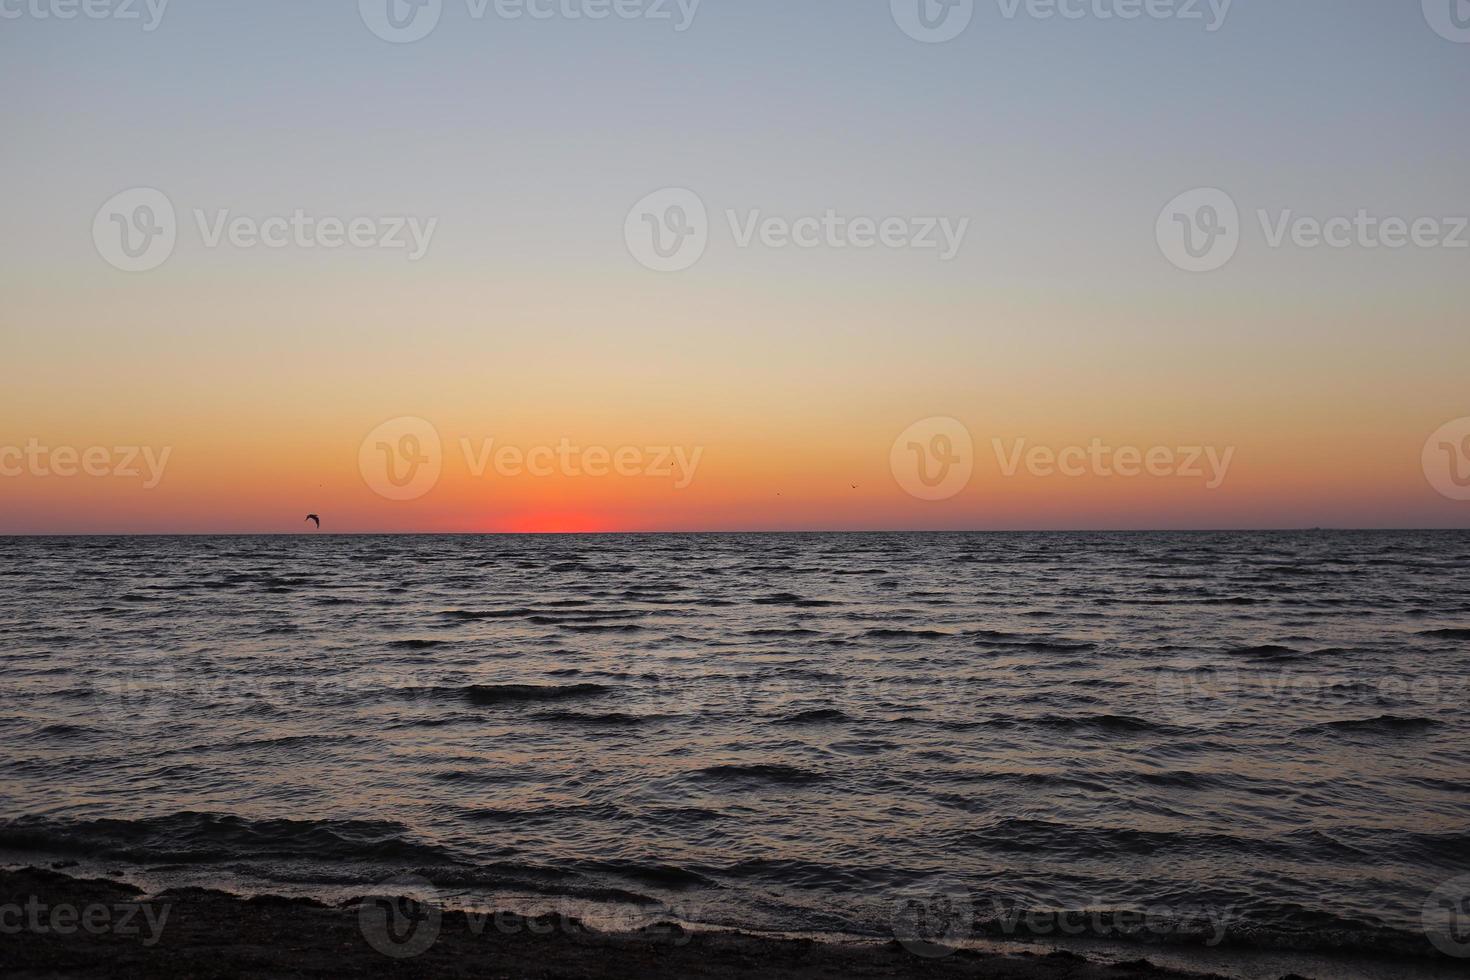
x=1052, y=272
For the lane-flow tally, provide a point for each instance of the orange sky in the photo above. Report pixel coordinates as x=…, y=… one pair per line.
x=795, y=480
x=263, y=405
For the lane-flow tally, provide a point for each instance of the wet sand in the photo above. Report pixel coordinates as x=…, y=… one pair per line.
x=111, y=929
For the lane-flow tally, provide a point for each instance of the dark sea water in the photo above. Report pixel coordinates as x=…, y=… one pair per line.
x=1256, y=736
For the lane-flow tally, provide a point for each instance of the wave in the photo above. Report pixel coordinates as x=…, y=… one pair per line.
x=791, y=599
x=903, y=634
x=467, y=615
x=1045, y=779
x=268, y=742
x=1025, y=835
x=1268, y=652
x=1184, y=779
x=813, y=717
x=781, y=775
x=508, y=693
x=1028, y=641
x=194, y=837
x=543, y=815
x=1386, y=724
x=661, y=875
x=807, y=874
x=65, y=731
x=611, y=719
x=1248, y=923
x=793, y=632
x=582, y=616
x=1108, y=724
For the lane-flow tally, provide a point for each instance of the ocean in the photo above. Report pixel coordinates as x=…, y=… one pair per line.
x=1249, y=741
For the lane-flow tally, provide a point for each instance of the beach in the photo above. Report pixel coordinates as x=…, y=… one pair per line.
x=206, y=933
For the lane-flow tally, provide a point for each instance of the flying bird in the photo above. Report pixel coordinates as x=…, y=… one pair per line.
x=313, y=517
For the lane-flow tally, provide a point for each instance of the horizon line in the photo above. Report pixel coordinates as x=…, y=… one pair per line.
x=726, y=531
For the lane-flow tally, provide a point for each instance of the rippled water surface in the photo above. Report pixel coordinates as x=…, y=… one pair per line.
x=777, y=731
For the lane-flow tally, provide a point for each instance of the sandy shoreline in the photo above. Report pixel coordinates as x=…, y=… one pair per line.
x=54, y=925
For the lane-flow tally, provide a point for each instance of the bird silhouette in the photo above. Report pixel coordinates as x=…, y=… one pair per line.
x=313, y=517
